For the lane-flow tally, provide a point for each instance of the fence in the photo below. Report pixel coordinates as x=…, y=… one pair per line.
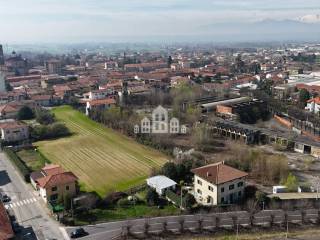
x=213, y=222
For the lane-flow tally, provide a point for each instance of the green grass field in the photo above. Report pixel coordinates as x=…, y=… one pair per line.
x=103, y=159
x=32, y=159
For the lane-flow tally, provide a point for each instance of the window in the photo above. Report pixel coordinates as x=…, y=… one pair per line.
x=199, y=182
x=199, y=191
x=163, y=117
x=67, y=188
x=54, y=197
x=239, y=194
x=157, y=117
x=240, y=184
x=53, y=189
x=222, y=200
x=222, y=189
x=210, y=188
x=231, y=186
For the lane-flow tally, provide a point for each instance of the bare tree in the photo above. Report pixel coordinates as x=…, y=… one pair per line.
x=303, y=216
x=146, y=227
x=181, y=222
x=272, y=217
x=128, y=227
x=165, y=227
x=218, y=221
x=235, y=221
x=200, y=223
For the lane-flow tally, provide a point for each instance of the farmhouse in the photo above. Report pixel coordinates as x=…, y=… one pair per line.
x=13, y=131
x=100, y=104
x=218, y=184
x=53, y=182
x=161, y=184
x=8, y=111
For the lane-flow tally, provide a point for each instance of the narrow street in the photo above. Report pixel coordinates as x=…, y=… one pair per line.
x=28, y=208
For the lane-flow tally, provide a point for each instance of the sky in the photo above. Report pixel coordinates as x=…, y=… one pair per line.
x=32, y=21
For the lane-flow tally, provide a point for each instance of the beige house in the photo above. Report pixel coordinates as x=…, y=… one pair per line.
x=53, y=182
x=218, y=183
x=13, y=131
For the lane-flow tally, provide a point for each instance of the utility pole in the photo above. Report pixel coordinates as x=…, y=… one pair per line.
x=287, y=232
x=237, y=236
x=72, y=208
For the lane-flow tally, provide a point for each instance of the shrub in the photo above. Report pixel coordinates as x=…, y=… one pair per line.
x=25, y=113
x=56, y=130
x=189, y=200
x=44, y=116
x=152, y=197
x=124, y=202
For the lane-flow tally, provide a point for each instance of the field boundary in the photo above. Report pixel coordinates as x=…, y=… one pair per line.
x=18, y=163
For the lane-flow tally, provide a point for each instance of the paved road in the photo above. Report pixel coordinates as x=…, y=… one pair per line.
x=108, y=231
x=30, y=211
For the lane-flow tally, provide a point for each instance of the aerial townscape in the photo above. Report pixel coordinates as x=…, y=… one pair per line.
x=160, y=136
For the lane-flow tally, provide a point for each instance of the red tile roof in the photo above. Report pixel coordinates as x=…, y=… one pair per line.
x=102, y=101
x=315, y=100
x=57, y=179
x=41, y=97
x=218, y=173
x=7, y=109
x=52, y=169
x=12, y=125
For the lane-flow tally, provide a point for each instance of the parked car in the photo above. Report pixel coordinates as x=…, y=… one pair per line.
x=5, y=198
x=78, y=232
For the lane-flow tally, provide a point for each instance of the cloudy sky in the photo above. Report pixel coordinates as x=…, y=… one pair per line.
x=103, y=20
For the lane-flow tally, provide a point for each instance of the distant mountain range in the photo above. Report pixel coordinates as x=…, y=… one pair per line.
x=304, y=29
x=310, y=18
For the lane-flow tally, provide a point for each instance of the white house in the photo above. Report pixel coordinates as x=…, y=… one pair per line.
x=12, y=131
x=160, y=120
x=101, y=104
x=145, y=125
x=174, y=125
x=161, y=184
x=160, y=123
x=183, y=129
x=218, y=183
x=99, y=94
x=136, y=129
x=313, y=105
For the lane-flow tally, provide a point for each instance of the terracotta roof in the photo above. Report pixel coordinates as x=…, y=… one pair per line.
x=52, y=169
x=41, y=97
x=61, y=88
x=6, y=231
x=312, y=88
x=218, y=173
x=11, y=125
x=102, y=101
x=7, y=108
x=57, y=179
x=315, y=100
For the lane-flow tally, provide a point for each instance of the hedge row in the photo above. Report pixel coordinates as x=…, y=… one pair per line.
x=18, y=163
